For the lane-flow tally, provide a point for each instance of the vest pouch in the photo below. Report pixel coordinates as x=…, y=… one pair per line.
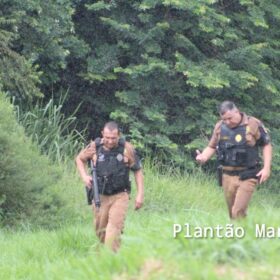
x=105, y=185
x=232, y=157
x=121, y=183
x=220, y=155
x=112, y=185
x=102, y=182
x=249, y=174
x=239, y=156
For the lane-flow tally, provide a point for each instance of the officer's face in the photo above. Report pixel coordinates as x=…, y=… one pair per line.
x=110, y=138
x=231, y=118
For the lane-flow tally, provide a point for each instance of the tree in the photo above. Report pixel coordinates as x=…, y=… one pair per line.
x=17, y=75
x=38, y=38
x=162, y=67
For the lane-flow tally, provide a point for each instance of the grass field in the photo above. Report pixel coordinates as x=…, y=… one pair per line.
x=149, y=250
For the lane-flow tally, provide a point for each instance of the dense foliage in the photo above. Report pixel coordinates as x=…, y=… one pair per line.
x=54, y=133
x=159, y=67
x=29, y=185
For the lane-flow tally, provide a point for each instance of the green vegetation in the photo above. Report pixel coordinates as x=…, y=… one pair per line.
x=159, y=68
x=149, y=250
x=53, y=133
x=50, y=233
x=31, y=187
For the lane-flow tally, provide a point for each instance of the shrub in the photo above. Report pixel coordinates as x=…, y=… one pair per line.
x=27, y=178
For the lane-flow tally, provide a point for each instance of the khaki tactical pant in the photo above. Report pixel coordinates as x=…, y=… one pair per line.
x=238, y=194
x=109, y=219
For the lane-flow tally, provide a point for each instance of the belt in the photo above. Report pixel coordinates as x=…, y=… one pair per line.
x=234, y=168
x=232, y=172
x=251, y=170
x=114, y=192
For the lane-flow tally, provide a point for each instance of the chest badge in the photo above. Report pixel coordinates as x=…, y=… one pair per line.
x=238, y=138
x=119, y=157
x=101, y=157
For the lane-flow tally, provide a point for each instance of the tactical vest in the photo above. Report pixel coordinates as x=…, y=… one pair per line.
x=112, y=172
x=233, y=150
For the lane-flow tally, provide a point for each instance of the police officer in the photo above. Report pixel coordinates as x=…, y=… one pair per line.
x=236, y=139
x=113, y=157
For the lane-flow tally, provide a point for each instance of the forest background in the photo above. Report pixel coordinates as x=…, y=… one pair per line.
x=160, y=68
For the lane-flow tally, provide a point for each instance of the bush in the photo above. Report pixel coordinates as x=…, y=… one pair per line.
x=27, y=179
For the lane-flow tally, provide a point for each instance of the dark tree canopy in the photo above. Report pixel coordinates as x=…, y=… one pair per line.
x=159, y=68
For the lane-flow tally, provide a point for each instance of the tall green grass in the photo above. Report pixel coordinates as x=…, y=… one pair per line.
x=149, y=250
x=54, y=133
x=60, y=243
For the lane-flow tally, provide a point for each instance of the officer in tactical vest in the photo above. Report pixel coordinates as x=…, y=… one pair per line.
x=236, y=140
x=114, y=158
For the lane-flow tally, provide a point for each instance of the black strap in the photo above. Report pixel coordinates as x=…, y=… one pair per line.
x=232, y=172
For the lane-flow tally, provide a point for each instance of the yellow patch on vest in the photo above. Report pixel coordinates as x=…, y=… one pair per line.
x=247, y=129
x=238, y=138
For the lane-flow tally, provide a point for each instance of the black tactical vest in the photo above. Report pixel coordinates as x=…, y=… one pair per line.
x=232, y=149
x=112, y=172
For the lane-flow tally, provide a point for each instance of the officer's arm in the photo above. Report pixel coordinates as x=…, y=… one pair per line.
x=207, y=153
x=210, y=150
x=267, y=158
x=265, y=142
x=81, y=161
x=135, y=166
x=139, y=179
x=87, y=179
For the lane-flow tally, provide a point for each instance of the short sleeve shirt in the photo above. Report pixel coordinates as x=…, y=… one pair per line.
x=256, y=133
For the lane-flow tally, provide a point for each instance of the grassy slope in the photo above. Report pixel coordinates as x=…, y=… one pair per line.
x=149, y=250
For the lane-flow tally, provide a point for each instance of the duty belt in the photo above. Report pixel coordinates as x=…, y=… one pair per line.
x=232, y=172
x=244, y=174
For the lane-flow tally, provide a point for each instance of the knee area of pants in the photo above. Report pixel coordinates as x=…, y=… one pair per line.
x=238, y=213
x=113, y=230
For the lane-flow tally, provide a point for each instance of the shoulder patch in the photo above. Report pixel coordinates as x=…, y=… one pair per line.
x=263, y=127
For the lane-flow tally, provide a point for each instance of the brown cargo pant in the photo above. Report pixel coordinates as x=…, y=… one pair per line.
x=238, y=194
x=109, y=219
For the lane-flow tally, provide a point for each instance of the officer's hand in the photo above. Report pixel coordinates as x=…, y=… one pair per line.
x=139, y=200
x=200, y=157
x=263, y=175
x=87, y=181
